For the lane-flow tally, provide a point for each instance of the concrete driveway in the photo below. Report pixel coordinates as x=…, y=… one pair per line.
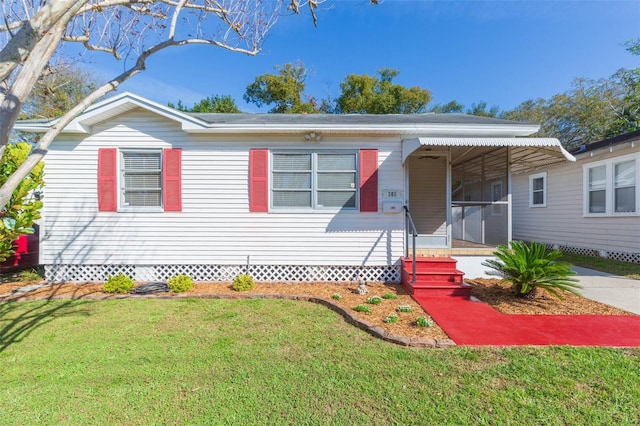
x=623, y=293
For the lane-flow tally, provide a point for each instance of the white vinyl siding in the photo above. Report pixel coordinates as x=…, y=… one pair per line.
x=538, y=190
x=141, y=181
x=215, y=225
x=314, y=180
x=564, y=221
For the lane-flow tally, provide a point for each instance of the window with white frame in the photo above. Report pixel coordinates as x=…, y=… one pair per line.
x=624, y=187
x=141, y=183
x=597, y=181
x=538, y=190
x=611, y=187
x=314, y=180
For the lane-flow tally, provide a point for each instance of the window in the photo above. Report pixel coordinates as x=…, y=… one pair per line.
x=538, y=190
x=597, y=189
x=314, y=180
x=141, y=179
x=624, y=187
x=611, y=187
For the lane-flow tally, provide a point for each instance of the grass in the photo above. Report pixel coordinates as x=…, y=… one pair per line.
x=198, y=361
x=616, y=267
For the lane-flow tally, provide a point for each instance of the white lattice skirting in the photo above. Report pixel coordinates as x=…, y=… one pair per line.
x=224, y=273
x=615, y=255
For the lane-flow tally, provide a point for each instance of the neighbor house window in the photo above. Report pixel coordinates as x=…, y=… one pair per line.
x=538, y=190
x=314, y=180
x=597, y=177
x=611, y=187
x=141, y=183
x=624, y=187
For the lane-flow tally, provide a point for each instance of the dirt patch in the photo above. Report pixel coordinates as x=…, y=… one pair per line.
x=491, y=291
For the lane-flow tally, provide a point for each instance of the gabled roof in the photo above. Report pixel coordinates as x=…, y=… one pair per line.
x=347, y=119
x=109, y=108
x=393, y=124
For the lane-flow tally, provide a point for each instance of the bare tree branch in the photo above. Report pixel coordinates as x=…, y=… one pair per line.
x=85, y=42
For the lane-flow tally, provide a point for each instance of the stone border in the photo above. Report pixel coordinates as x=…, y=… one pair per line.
x=349, y=317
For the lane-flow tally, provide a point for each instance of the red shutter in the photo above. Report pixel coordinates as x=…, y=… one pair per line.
x=259, y=180
x=172, y=180
x=368, y=180
x=107, y=179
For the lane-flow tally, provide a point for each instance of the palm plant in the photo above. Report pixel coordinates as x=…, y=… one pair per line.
x=531, y=266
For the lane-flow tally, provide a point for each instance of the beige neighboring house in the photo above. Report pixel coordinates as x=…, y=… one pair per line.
x=588, y=207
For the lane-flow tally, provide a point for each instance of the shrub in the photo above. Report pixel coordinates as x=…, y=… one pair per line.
x=424, y=322
x=336, y=296
x=529, y=267
x=374, y=300
x=180, y=283
x=363, y=308
x=29, y=275
x=243, y=282
x=118, y=284
x=389, y=296
x=404, y=308
x=17, y=217
x=391, y=319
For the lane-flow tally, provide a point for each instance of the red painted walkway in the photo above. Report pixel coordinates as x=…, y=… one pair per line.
x=475, y=324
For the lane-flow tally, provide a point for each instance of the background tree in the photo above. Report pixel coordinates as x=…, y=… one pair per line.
x=449, y=107
x=480, y=109
x=284, y=90
x=59, y=88
x=214, y=104
x=32, y=32
x=17, y=216
x=365, y=94
x=590, y=111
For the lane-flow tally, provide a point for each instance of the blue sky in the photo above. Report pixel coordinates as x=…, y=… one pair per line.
x=502, y=52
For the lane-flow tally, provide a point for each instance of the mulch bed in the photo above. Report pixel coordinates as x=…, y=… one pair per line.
x=491, y=291
x=498, y=294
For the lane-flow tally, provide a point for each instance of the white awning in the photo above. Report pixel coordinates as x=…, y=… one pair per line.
x=526, y=153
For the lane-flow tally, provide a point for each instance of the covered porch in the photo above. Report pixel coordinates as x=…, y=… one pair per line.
x=459, y=190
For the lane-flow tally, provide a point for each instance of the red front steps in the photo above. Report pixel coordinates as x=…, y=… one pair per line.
x=435, y=276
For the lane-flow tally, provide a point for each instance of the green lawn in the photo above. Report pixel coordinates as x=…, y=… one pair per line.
x=196, y=361
x=616, y=267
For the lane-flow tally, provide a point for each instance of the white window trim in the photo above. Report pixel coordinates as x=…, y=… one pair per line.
x=609, y=189
x=138, y=209
x=314, y=189
x=542, y=175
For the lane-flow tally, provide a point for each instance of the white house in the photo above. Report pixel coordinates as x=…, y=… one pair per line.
x=588, y=207
x=136, y=187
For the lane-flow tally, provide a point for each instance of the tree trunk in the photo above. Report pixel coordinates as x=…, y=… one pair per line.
x=530, y=295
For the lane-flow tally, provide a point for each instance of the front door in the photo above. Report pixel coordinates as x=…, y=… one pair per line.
x=427, y=177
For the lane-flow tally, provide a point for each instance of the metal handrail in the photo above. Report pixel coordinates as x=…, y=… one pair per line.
x=409, y=222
